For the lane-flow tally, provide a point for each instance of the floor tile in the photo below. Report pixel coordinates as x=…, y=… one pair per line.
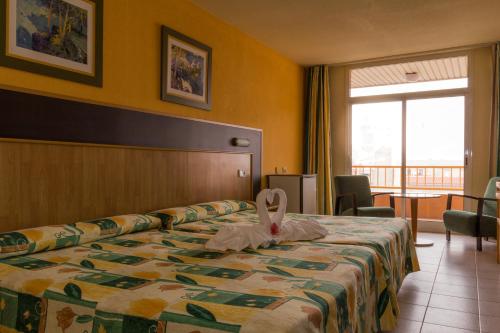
x=431, y=328
x=488, y=267
x=457, y=289
x=456, y=280
x=429, y=268
x=453, y=265
x=457, y=260
x=428, y=260
x=490, y=324
x=453, y=290
x=489, y=294
x=488, y=283
x=413, y=297
x=423, y=286
x=488, y=275
x=468, y=271
x=411, y=312
x=454, y=303
x=429, y=252
x=422, y=276
x=457, y=319
x=488, y=308
x=407, y=326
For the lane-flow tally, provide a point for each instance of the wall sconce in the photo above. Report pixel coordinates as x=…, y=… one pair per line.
x=240, y=142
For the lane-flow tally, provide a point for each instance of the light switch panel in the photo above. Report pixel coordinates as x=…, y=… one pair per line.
x=242, y=173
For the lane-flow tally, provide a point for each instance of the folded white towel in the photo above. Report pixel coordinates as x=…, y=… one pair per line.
x=239, y=236
x=300, y=230
x=271, y=229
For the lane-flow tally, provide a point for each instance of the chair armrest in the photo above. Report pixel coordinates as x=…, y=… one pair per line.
x=391, y=198
x=464, y=196
x=480, y=202
x=451, y=195
x=354, y=202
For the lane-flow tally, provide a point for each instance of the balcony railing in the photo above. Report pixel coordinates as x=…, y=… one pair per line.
x=429, y=178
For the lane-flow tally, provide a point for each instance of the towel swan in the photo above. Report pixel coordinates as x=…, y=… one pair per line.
x=271, y=229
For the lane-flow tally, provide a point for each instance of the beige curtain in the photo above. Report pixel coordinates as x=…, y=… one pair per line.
x=318, y=136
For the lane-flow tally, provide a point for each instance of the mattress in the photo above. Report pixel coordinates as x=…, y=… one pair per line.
x=166, y=281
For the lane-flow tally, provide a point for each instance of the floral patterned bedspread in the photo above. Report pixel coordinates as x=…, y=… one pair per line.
x=390, y=238
x=154, y=281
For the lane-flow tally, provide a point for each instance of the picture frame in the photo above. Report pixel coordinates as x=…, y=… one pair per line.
x=186, y=70
x=58, y=38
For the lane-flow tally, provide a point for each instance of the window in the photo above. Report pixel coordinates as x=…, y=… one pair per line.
x=410, y=136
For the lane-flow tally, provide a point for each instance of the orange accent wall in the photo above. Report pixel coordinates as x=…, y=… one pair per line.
x=252, y=85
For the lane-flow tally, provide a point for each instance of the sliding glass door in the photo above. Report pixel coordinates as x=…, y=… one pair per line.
x=411, y=145
x=435, y=130
x=377, y=143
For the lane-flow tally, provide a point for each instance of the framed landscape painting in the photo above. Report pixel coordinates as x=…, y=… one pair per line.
x=185, y=70
x=60, y=38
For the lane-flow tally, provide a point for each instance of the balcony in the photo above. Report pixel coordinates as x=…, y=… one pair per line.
x=433, y=179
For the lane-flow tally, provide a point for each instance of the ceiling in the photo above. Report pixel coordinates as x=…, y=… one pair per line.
x=426, y=70
x=338, y=31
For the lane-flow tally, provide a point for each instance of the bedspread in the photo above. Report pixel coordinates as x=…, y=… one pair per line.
x=154, y=281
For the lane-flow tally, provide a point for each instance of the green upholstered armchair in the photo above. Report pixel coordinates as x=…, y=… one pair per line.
x=354, y=198
x=481, y=223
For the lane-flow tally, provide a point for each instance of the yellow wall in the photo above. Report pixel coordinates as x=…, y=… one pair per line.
x=478, y=121
x=252, y=85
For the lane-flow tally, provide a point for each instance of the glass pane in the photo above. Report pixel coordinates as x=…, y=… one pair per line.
x=376, y=143
x=435, y=145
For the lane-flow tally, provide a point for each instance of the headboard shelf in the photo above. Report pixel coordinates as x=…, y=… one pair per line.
x=63, y=161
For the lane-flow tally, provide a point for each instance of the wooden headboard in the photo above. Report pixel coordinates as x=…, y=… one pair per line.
x=63, y=161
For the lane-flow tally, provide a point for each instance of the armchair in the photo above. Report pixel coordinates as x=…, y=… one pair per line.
x=481, y=223
x=354, y=198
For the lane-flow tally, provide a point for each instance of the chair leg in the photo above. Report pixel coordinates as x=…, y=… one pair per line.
x=479, y=243
x=448, y=235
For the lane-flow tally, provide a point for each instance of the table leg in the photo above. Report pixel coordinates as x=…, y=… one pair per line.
x=414, y=224
x=414, y=217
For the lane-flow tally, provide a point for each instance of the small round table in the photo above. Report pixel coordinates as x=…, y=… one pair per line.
x=414, y=197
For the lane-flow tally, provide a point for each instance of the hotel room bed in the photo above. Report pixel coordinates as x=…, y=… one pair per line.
x=121, y=274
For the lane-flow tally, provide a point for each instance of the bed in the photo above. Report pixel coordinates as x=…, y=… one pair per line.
x=127, y=274
x=63, y=161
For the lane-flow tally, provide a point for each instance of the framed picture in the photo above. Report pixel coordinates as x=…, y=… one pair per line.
x=59, y=38
x=186, y=70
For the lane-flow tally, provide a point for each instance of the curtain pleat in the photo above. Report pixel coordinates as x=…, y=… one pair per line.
x=318, y=137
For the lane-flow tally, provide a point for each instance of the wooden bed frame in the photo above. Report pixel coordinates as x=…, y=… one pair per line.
x=63, y=161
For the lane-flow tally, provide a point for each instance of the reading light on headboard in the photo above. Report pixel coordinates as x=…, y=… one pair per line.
x=240, y=142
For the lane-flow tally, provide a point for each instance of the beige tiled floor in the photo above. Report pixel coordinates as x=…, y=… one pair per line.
x=456, y=291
